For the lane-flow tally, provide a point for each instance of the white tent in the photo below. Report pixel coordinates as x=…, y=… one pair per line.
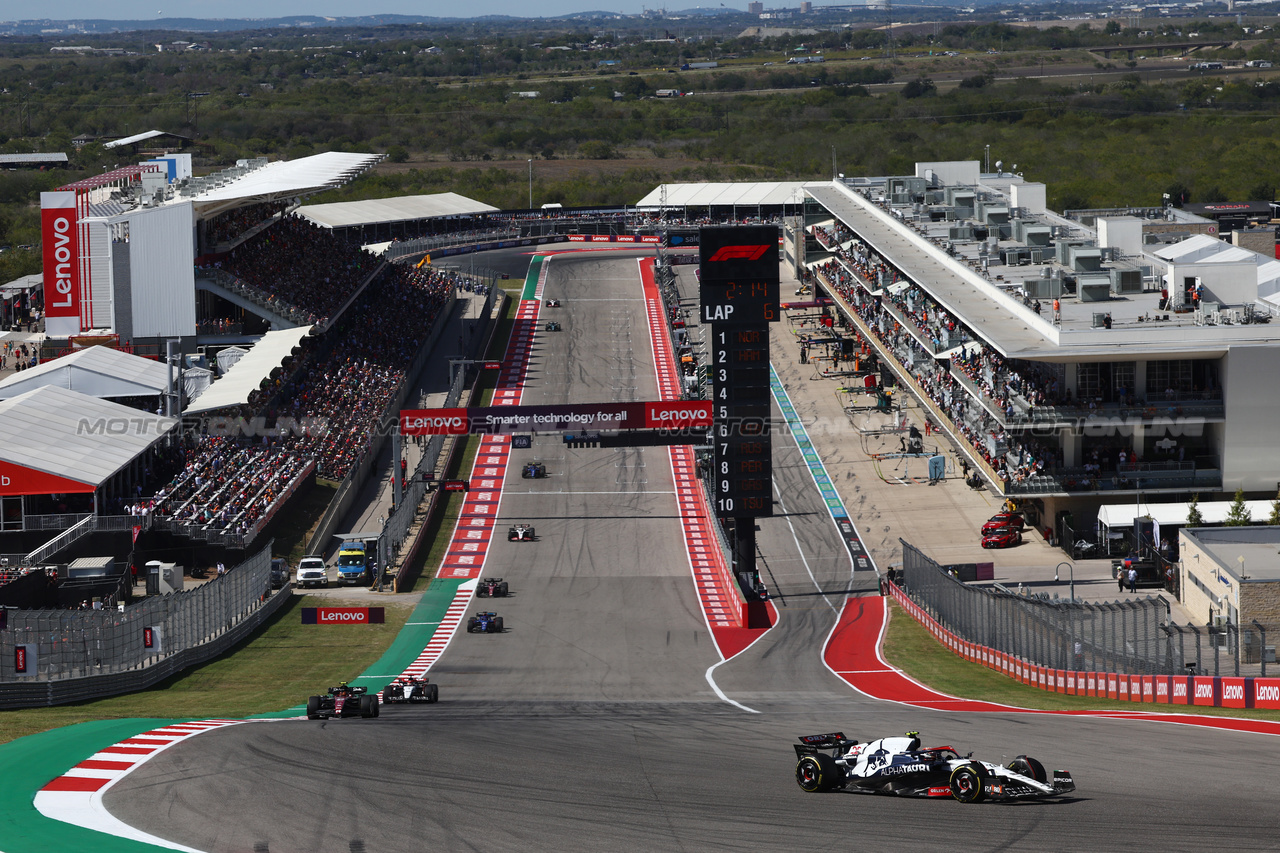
x=1117, y=516
x=95, y=371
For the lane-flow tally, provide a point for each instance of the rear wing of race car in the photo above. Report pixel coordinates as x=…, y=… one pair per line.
x=812, y=744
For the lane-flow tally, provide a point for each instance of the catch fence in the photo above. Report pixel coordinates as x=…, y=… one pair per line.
x=1132, y=636
x=86, y=654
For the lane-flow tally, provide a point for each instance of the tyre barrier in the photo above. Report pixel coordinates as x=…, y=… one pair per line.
x=1212, y=691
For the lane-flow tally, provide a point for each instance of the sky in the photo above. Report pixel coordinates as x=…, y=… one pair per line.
x=152, y=9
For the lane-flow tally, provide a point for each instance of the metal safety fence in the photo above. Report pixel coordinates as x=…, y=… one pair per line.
x=77, y=644
x=1131, y=636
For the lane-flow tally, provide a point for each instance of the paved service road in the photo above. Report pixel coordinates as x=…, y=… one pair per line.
x=590, y=724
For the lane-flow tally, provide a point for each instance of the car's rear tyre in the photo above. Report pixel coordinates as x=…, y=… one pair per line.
x=966, y=783
x=313, y=708
x=817, y=773
x=497, y=625
x=1025, y=765
x=377, y=706
x=366, y=710
x=433, y=693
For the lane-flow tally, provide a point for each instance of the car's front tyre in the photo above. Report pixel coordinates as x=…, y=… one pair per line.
x=966, y=783
x=313, y=708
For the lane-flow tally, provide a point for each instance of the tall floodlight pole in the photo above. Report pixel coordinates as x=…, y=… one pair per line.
x=531, y=183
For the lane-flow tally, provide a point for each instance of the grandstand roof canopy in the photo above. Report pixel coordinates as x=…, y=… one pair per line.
x=95, y=371
x=63, y=441
x=143, y=137
x=32, y=159
x=284, y=179
x=725, y=195
x=21, y=284
x=246, y=375
x=344, y=214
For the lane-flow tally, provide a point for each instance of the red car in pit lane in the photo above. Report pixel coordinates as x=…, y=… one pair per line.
x=1003, y=521
x=1006, y=537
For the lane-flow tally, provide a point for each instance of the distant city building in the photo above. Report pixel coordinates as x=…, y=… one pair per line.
x=755, y=8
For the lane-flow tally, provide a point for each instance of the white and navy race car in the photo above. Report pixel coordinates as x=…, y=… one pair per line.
x=899, y=765
x=408, y=688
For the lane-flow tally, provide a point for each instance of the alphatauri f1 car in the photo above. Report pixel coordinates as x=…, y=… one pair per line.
x=898, y=765
x=491, y=588
x=343, y=701
x=485, y=623
x=408, y=688
x=520, y=533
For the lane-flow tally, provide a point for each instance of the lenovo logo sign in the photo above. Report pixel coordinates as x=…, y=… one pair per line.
x=434, y=422
x=61, y=255
x=342, y=615
x=738, y=253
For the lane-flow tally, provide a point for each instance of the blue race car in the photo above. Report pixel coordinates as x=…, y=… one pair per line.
x=486, y=622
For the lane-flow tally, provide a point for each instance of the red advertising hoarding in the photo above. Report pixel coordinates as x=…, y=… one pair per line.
x=59, y=227
x=676, y=415
x=343, y=615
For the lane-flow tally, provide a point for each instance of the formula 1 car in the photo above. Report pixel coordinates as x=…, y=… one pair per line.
x=492, y=588
x=486, y=622
x=343, y=701
x=1003, y=521
x=553, y=327
x=898, y=765
x=408, y=688
x=553, y=303
x=1006, y=537
x=520, y=533
x=533, y=471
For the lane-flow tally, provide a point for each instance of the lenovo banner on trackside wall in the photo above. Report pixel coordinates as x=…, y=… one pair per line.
x=59, y=225
x=343, y=615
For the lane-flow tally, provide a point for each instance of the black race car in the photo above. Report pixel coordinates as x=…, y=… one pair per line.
x=492, y=588
x=898, y=765
x=553, y=303
x=408, y=688
x=343, y=701
x=520, y=533
x=486, y=622
x=553, y=327
x=533, y=471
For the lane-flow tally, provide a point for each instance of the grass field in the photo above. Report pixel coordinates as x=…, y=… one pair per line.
x=281, y=664
x=908, y=646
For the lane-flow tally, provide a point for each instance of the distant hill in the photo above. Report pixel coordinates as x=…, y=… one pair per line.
x=94, y=26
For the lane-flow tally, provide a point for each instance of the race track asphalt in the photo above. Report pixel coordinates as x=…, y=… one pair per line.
x=590, y=725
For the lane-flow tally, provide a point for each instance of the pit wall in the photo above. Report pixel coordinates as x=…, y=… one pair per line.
x=1201, y=690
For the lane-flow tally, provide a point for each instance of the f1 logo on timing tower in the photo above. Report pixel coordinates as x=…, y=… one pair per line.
x=738, y=253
